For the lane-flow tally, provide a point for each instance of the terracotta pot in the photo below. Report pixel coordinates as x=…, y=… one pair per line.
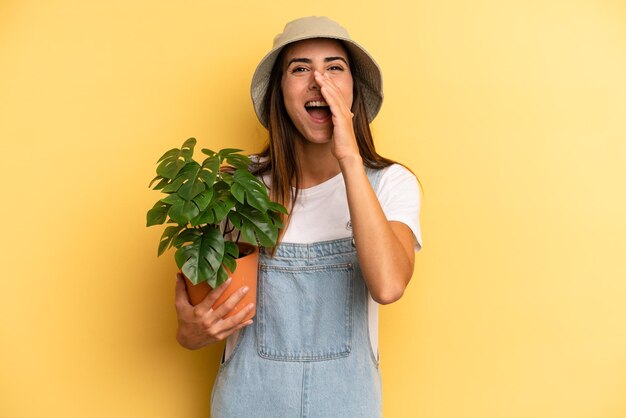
x=245, y=275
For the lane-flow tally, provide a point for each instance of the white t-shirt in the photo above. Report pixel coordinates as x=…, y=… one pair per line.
x=321, y=213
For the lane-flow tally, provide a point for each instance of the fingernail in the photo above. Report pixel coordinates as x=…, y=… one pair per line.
x=250, y=306
x=245, y=289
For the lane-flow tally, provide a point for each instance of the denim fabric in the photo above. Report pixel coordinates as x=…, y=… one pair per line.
x=308, y=354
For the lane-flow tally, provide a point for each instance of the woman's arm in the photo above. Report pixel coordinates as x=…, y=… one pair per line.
x=385, y=249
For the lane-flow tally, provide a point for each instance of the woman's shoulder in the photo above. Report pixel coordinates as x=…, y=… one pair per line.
x=397, y=171
x=398, y=178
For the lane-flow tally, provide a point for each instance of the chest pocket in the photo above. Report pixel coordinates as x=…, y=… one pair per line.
x=305, y=313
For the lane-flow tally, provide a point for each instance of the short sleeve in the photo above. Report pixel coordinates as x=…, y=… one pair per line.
x=399, y=197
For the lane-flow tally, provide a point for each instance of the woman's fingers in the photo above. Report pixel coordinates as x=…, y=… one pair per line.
x=222, y=328
x=231, y=302
x=227, y=326
x=207, y=303
x=332, y=95
x=219, y=328
x=212, y=319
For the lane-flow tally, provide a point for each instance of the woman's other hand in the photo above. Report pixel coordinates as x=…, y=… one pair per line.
x=200, y=325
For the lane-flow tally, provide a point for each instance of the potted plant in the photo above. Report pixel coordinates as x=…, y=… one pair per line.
x=209, y=207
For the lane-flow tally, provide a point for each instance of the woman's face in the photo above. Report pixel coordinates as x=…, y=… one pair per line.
x=304, y=102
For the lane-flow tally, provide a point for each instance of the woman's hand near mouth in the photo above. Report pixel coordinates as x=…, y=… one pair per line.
x=344, y=146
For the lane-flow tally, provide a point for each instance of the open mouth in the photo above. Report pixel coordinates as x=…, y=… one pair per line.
x=318, y=109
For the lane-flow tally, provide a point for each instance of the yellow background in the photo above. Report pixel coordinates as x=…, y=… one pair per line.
x=512, y=113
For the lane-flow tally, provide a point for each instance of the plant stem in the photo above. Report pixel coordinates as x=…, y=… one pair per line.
x=227, y=230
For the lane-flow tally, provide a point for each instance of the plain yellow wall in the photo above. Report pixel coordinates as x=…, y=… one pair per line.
x=512, y=113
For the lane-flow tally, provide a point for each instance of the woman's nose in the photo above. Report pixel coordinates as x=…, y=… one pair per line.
x=312, y=82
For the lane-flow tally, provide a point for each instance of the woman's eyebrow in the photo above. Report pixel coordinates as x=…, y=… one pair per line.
x=309, y=61
x=304, y=60
x=329, y=59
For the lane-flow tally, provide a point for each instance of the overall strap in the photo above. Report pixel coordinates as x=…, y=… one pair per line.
x=374, y=175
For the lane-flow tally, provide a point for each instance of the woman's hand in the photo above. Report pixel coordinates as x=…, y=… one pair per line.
x=200, y=325
x=344, y=144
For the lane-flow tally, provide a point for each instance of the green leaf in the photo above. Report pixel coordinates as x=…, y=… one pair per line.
x=245, y=184
x=254, y=225
x=222, y=206
x=174, y=185
x=153, y=180
x=239, y=161
x=239, y=192
x=277, y=207
x=169, y=154
x=276, y=219
x=210, y=170
x=200, y=259
x=187, y=148
x=258, y=199
x=174, y=160
x=221, y=203
x=203, y=199
x=158, y=214
x=231, y=253
x=208, y=152
x=161, y=184
x=173, y=199
x=183, y=211
x=227, y=178
x=226, y=152
x=168, y=236
x=188, y=235
x=205, y=217
x=192, y=185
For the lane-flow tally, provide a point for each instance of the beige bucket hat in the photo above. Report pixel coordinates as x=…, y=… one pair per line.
x=366, y=71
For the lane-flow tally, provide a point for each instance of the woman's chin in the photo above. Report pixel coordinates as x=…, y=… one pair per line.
x=318, y=139
x=318, y=136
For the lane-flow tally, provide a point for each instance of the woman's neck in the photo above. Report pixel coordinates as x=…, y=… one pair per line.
x=316, y=163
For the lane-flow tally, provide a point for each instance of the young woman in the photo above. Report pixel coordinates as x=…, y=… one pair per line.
x=348, y=244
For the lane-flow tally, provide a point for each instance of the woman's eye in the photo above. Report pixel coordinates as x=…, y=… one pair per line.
x=298, y=70
x=336, y=68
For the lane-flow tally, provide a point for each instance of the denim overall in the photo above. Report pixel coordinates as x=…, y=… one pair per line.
x=308, y=354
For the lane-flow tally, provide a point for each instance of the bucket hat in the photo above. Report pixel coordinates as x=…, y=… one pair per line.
x=366, y=71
